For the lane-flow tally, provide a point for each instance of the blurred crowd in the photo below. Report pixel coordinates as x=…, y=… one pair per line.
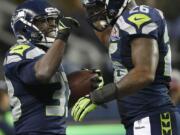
x=85, y=51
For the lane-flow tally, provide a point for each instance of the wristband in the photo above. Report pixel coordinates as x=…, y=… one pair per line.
x=63, y=35
x=106, y=94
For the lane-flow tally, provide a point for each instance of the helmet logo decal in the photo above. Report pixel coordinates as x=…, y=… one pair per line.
x=51, y=10
x=21, y=14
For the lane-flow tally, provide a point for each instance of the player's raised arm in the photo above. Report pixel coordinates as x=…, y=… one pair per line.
x=49, y=63
x=37, y=83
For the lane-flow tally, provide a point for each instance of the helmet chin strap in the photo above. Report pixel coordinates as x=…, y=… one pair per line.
x=47, y=42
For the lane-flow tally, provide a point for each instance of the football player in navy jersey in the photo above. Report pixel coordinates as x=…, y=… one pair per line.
x=37, y=84
x=139, y=48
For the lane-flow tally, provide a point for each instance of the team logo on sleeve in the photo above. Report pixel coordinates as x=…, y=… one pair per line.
x=115, y=34
x=139, y=19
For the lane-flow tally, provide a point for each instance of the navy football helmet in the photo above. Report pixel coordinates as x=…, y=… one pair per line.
x=25, y=16
x=102, y=13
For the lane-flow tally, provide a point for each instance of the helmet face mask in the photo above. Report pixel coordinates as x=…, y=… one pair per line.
x=36, y=21
x=47, y=25
x=97, y=15
x=102, y=13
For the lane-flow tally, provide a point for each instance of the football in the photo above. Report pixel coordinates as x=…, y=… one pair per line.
x=80, y=84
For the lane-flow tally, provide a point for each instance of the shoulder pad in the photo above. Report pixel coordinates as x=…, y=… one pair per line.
x=33, y=53
x=12, y=59
x=26, y=51
x=160, y=13
x=19, y=49
x=140, y=20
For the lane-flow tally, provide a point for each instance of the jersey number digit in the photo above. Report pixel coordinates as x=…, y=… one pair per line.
x=59, y=107
x=167, y=58
x=141, y=8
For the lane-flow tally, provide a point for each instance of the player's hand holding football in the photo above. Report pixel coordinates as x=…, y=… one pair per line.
x=65, y=25
x=97, y=81
x=82, y=107
x=88, y=103
x=85, y=105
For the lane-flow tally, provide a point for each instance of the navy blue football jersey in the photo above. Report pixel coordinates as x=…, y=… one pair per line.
x=36, y=107
x=141, y=21
x=5, y=129
x=6, y=125
x=178, y=107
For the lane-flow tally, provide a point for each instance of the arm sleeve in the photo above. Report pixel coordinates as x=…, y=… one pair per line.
x=19, y=63
x=23, y=70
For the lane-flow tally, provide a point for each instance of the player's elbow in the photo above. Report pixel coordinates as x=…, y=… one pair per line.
x=42, y=77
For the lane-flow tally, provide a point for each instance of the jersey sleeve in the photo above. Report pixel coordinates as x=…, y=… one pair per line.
x=19, y=63
x=142, y=21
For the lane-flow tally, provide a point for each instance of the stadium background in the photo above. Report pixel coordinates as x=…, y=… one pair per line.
x=85, y=51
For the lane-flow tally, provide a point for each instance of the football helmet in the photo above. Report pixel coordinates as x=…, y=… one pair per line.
x=102, y=13
x=25, y=16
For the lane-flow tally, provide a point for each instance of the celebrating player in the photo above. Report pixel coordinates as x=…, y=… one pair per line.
x=141, y=57
x=36, y=82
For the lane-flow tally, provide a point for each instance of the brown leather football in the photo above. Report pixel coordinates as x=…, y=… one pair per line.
x=80, y=84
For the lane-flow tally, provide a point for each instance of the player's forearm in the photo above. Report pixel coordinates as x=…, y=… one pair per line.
x=46, y=67
x=133, y=82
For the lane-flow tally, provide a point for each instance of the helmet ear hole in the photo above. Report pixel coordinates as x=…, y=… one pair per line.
x=112, y=13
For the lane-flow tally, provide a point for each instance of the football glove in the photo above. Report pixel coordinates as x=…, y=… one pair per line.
x=82, y=107
x=97, y=81
x=65, y=25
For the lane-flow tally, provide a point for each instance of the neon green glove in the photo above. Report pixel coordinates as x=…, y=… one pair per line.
x=82, y=107
x=66, y=24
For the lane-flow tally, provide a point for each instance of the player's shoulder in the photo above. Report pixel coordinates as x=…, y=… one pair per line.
x=141, y=21
x=140, y=16
x=143, y=13
x=20, y=52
